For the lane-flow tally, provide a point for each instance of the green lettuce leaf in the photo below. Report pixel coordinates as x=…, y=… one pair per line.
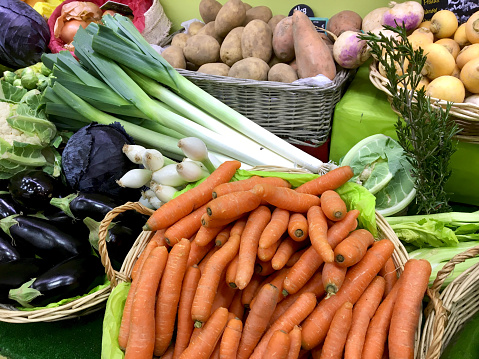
x=426, y=233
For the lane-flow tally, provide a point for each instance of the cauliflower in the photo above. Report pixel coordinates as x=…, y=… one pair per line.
x=10, y=134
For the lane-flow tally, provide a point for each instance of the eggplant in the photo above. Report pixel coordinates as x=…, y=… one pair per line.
x=43, y=238
x=66, y=223
x=8, y=206
x=74, y=276
x=8, y=252
x=14, y=273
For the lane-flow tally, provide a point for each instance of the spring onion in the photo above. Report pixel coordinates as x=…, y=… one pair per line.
x=152, y=159
x=163, y=192
x=195, y=149
x=134, y=153
x=191, y=171
x=168, y=175
x=135, y=178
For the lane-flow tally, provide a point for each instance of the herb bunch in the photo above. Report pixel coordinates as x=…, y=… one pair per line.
x=425, y=131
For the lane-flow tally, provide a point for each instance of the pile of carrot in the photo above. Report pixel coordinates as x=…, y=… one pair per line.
x=257, y=269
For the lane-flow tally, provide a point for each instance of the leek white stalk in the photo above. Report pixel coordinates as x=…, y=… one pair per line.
x=195, y=149
x=168, y=175
x=190, y=171
x=152, y=159
x=134, y=153
x=163, y=192
x=135, y=178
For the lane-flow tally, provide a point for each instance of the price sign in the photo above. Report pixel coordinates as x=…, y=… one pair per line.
x=304, y=8
x=319, y=22
x=462, y=8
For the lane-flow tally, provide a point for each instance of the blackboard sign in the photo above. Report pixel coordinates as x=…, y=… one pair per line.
x=304, y=8
x=462, y=8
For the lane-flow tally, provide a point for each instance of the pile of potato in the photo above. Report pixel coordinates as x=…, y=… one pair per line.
x=242, y=41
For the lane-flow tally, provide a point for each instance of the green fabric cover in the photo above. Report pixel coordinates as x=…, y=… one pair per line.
x=364, y=111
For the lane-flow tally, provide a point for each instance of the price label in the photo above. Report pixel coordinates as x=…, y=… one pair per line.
x=319, y=22
x=462, y=8
x=303, y=8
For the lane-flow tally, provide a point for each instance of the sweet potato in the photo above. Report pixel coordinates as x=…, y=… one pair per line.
x=274, y=21
x=345, y=20
x=256, y=40
x=283, y=43
x=231, y=15
x=313, y=56
x=209, y=9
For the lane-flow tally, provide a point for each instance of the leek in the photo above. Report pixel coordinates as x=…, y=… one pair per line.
x=122, y=42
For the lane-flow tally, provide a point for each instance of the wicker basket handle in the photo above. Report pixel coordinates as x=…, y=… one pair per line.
x=103, y=231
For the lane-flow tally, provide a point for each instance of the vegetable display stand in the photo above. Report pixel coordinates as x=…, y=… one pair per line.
x=299, y=114
x=458, y=303
x=466, y=115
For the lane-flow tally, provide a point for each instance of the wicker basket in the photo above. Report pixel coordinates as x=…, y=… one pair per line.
x=458, y=304
x=299, y=114
x=466, y=115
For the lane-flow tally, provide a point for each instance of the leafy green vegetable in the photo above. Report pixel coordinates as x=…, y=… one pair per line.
x=426, y=233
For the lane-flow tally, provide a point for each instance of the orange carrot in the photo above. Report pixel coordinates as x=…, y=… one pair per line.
x=341, y=229
x=159, y=237
x=207, y=257
x=332, y=205
x=185, y=227
x=295, y=342
x=197, y=252
x=278, y=346
x=231, y=338
x=285, y=250
x=169, y=295
x=363, y=311
x=293, y=316
x=208, y=221
x=389, y=273
x=333, y=277
x=231, y=269
x=335, y=340
x=318, y=233
x=169, y=352
x=302, y=271
x=141, y=339
x=286, y=198
x=357, y=279
x=202, y=346
x=275, y=228
x=331, y=180
x=185, y=203
x=257, y=320
x=298, y=227
x=263, y=268
x=206, y=235
x=251, y=289
x=185, y=323
x=407, y=309
x=295, y=257
x=236, y=307
x=125, y=319
x=224, y=296
x=315, y=353
x=232, y=204
x=257, y=221
x=223, y=236
x=266, y=254
x=238, y=226
x=353, y=248
x=247, y=184
x=276, y=279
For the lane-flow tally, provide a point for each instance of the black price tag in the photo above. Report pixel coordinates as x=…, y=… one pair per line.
x=462, y=8
x=304, y=8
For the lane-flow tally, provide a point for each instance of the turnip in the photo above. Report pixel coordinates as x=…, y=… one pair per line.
x=349, y=51
x=451, y=46
x=472, y=99
x=444, y=24
x=470, y=75
x=472, y=28
x=439, y=61
x=460, y=36
x=447, y=88
x=421, y=37
x=466, y=54
x=373, y=19
x=411, y=13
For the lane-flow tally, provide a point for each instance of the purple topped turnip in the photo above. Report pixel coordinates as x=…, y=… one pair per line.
x=411, y=13
x=349, y=51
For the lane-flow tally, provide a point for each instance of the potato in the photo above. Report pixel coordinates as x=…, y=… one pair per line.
x=258, y=12
x=231, y=15
x=343, y=21
x=209, y=9
x=247, y=6
x=250, y=68
x=209, y=29
x=174, y=56
x=273, y=61
x=256, y=40
x=216, y=68
x=283, y=43
x=202, y=49
x=191, y=67
x=194, y=27
x=230, y=51
x=180, y=39
x=274, y=21
x=282, y=73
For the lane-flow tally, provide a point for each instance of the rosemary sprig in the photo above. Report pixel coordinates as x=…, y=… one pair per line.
x=426, y=132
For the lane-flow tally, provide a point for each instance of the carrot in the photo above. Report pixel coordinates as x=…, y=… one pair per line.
x=203, y=344
x=236, y=307
x=286, y=249
x=185, y=203
x=185, y=323
x=185, y=227
x=330, y=180
x=407, y=309
x=231, y=338
x=230, y=274
x=295, y=257
x=353, y=248
x=276, y=279
x=315, y=353
x=223, y=235
x=266, y=254
x=293, y=316
x=257, y=221
x=257, y=320
x=389, y=273
x=333, y=206
x=275, y=228
x=298, y=227
x=302, y=271
x=333, y=277
x=356, y=281
x=207, y=257
x=294, y=342
x=159, y=237
x=318, y=233
x=363, y=311
x=169, y=352
x=286, y=198
x=210, y=222
x=197, y=252
x=341, y=229
x=263, y=268
x=251, y=289
x=278, y=346
x=125, y=319
x=335, y=340
x=247, y=184
x=169, y=295
x=238, y=226
x=141, y=338
x=206, y=235
x=232, y=204
x=224, y=296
